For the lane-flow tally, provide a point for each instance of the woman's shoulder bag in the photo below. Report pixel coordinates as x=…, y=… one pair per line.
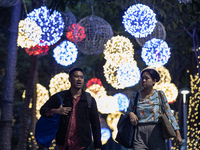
x=126, y=129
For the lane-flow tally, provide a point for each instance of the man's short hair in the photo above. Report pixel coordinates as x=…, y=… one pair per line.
x=73, y=70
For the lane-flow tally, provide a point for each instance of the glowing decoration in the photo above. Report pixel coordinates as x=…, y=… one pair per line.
x=170, y=91
x=128, y=74
x=95, y=88
x=59, y=83
x=107, y=104
x=52, y=25
x=118, y=48
x=97, y=31
x=114, y=135
x=110, y=73
x=29, y=34
x=105, y=135
x=37, y=50
x=165, y=76
x=139, y=20
x=112, y=119
x=94, y=81
x=42, y=97
x=155, y=53
x=193, y=123
x=96, y=91
x=79, y=35
x=123, y=101
x=65, y=53
x=158, y=32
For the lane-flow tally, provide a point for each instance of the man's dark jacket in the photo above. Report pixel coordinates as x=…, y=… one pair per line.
x=86, y=116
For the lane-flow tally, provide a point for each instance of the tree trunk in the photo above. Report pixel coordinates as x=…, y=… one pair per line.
x=24, y=126
x=33, y=114
x=9, y=81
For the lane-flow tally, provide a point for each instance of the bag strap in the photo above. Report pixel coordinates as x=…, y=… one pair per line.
x=89, y=99
x=161, y=101
x=135, y=103
x=60, y=99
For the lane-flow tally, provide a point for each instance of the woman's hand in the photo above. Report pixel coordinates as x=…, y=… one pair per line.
x=133, y=118
x=63, y=110
x=178, y=138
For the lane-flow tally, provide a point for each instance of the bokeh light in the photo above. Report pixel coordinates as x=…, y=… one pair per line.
x=29, y=34
x=155, y=52
x=66, y=53
x=139, y=20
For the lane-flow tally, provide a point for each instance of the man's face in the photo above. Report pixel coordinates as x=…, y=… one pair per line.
x=77, y=80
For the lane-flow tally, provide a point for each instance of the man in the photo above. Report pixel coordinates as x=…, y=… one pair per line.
x=76, y=115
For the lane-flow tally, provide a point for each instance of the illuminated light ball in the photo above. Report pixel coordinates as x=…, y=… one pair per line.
x=170, y=91
x=123, y=101
x=66, y=53
x=139, y=20
x=107, y=104
x=114, y=134
x=58, y=83
x=29, y=34
x=112, y=119
x=118, y=46
x=128, y=74
x=78, y=36
x=155, y=53
x=42, y=97
x=94, y=81
x=52, y=25
x=110, y=73
x=165, y=76
x=37, y=50
x=105, y=135
x=96, y=91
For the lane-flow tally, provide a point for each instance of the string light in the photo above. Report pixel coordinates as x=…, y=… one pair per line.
x=52, y=25
x=155, y=53
x=128, y=74
x=59, y=83
x=77, y=36
x=105, y=135
x=112, y=119
x=139, y=20
x=118, y=48
x=193, y=130
x=65, y=53
x=37, y=50
x=29, y=34
x=122, y=100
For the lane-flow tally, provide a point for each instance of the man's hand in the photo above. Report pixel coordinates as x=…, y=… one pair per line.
x=63, y=110
x=133, y=118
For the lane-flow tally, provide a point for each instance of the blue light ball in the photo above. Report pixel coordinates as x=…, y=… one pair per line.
x=155, y=52
x=139, y=20
x=122, y=101
x=65, y=53
x=52, y=25
x=128, y=74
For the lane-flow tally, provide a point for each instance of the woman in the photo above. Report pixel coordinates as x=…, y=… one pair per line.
x=148, y=135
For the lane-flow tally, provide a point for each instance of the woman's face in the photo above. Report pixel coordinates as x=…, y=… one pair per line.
x=147, y=81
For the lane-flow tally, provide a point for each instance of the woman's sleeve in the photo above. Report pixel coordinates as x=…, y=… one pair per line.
x=131, y=104
x=168, y=111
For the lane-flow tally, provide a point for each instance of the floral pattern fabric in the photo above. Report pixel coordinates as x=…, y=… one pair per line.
x=148, y=110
